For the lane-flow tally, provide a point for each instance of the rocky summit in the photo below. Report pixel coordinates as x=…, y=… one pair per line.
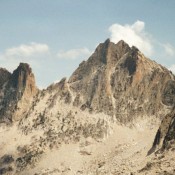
x=17, y=89
x=121, y=82
x=114, y=115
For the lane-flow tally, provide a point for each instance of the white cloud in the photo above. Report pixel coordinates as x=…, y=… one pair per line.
x=11, y=57
x=26, y=50
x=172, y=68
x=134, y=35
x=169, y=49
x=73, y=53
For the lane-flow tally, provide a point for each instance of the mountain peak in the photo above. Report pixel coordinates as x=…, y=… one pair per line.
x=134, y=49
x=24, y=67
x=107, y=41
x=116, y=69
x=109, y=52
x=106, y=54
x=19, y=89
x=21, y=75
x=122, y=44
x=116, y=88
x=4, y=76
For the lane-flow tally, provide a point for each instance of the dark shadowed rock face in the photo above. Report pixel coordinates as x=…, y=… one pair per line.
x=20, y=75
x=4, y=77
x=22, y=80
x=165, y=136
x=130, y=62
x=170, y=136
x=106, y=54
x=20, y=87
x=168, y=96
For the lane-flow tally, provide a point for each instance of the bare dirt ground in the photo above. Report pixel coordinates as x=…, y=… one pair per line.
x=122, y=151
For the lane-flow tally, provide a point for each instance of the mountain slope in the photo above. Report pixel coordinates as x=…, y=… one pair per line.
x=87, y=114
x=165, y=136
x=121, y=82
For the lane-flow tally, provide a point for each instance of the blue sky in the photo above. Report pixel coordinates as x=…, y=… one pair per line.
x=54, y=36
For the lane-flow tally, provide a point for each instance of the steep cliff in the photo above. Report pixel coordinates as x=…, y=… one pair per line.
x=4, y=77
x=169, y=140
x=117, y=80
x=121, y=82
x=17, y=90
x=166, y=131
x=165, y=136
x=87, y=115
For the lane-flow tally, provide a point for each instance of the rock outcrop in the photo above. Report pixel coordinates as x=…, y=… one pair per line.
x=166, y=131
x=169, y=140
x=121, y=82
x=117, y=80
x=17, y=90
x=4, y=77
x=165, y=136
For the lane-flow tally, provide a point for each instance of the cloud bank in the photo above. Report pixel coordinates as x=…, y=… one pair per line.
x=134, y=35
x=74, y=53
x=11, y=57
x=169, y=49
x=26, y=50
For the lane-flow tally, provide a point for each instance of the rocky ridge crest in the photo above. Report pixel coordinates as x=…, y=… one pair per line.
x=121, y=82
x=117, y=84
x=17, y=90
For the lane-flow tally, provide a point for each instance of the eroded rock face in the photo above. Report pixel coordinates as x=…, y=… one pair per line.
x=168, y=96
x=117, y=80
x=23, y=79
x=166, y=132
x=121, y=82
x=4, y=77
x=170, y=136
x=165, y=136
x=19, y=88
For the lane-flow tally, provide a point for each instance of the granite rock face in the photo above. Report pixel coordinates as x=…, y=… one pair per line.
x=168, y=96
x=165, y=136
x=121, y=82
x=115, y=87
x=170, y=136
x=4, y=77
x=17, y=89
x=117, y=80
x=23, y=79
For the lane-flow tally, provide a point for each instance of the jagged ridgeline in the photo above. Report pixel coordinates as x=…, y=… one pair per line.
x=165, y=136
x=16, y=92
x=116, y=87
x=117, y=80
x=121, y=82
